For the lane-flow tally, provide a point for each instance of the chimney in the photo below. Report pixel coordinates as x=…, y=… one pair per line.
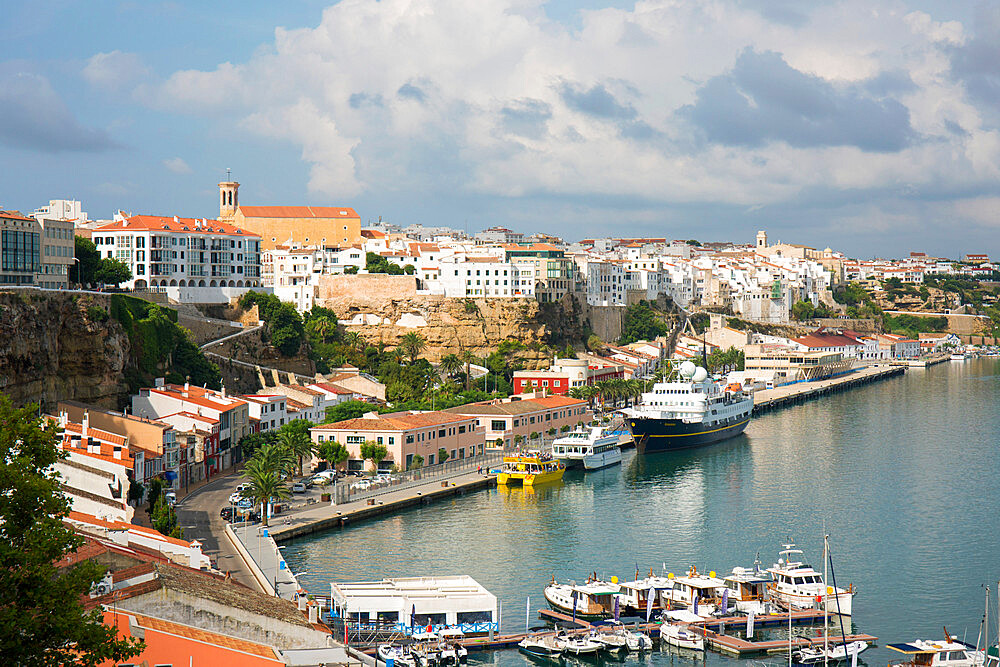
x=223, y=391
x=63, y=419
x=85, y=423
x=187, y=383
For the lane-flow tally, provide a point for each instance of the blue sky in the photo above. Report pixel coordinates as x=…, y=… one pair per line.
x=869, y=126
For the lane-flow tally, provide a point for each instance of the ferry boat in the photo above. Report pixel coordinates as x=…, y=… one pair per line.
x=799, y=585
x=593, y=449
x=591, y=600
x=689, y=411
x=530, y=470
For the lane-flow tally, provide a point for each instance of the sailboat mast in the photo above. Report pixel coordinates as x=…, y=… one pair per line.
x=826, y=607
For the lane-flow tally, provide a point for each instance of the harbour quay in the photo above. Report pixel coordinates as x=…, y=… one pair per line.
x=779, y=397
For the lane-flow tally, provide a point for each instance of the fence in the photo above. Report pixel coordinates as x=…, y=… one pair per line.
x=347, y=491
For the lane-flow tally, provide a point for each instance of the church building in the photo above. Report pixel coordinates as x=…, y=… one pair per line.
x=331, y=226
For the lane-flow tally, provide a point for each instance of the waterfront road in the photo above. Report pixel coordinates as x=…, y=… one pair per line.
x=198, y=514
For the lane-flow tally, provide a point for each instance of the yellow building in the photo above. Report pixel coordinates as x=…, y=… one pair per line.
x=338, y=226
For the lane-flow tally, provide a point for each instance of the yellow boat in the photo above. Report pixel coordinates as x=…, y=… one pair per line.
x=529, y=470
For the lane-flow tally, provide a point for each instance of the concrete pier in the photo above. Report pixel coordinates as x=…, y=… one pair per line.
x=770, y=399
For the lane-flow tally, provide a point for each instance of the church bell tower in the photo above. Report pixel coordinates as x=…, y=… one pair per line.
x=229, y=199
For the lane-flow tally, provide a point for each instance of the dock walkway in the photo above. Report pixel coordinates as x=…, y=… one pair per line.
x=770, y=399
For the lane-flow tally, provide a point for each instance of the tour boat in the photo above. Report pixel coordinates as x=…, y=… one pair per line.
x=578, y=645
x=682, y=637
x=950, y=652
x=529, y=470
x=835, y=653
x=593, y=449
x=799, y=585
x=688, y=411
x=545, y=646
x=593, y=599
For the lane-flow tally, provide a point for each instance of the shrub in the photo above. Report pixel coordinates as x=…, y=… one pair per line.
x=97, y=314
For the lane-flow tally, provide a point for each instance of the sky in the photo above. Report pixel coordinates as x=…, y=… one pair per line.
x=869, y=126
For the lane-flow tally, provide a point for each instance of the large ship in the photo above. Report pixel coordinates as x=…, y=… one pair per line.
x=688, y=410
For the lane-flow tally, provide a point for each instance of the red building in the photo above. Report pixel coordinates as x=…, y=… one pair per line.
x=564, y=374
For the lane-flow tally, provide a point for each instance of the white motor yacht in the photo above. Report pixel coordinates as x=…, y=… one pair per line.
x=746, y=589
x=592, y=600
x=799, y=585
x=545, y=646
x=593, y=448
x=578, y=645
x=835, y=653
x=681, y=636
x=398, y=655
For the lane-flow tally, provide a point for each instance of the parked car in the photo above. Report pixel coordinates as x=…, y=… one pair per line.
x=363, y=485
x=299, y=487
x=227, y=514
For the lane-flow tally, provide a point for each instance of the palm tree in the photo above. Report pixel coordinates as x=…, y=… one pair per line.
x=265, y=484
x=297, y=443
x=275, y=458
x=353, y=340
x=450, y=364
x=467, y=357
x=412, y=344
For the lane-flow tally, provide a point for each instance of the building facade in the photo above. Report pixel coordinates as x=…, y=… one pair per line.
x=20, y=249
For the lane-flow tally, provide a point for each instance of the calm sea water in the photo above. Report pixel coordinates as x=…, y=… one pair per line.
x=904, y=475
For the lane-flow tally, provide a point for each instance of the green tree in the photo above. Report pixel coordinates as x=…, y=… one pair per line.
x=374, y=452
x=409, y=269
x=450, y=364
x=333, y=453
x=112, y=272
x=802, y=310
x=642, y=323
x=348, y=410
x=375, y=263
x=155, y=490
x=42, y=619
x=88, y=259
x=594, y=343
x=263, y=473
x=416, y=462
x=412, y=344
x=350, y=270
x=467, y=358
x=298, y=444
x=568, y=352
x=164, y=519
x=442, y=455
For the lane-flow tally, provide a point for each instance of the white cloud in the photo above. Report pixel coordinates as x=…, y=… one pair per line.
x=177, y=165
x=494, y=98
x=115, y=70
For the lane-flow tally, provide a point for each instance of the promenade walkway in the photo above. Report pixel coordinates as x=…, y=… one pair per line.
x=768, y=399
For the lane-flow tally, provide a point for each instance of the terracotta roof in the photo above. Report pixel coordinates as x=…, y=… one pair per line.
x=113, y=438
x=396, y=421
x=92, y=520
x=558, y=402
x=332, y=388
x=15, y=215
x=141, y=223
x=204, y=636
x=298, y=212
x=206, y=398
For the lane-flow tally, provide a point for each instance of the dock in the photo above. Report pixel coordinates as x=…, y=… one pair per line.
x=741, y=647
x=779, y=397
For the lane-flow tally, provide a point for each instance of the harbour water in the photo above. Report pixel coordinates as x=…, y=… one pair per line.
x=903, y=474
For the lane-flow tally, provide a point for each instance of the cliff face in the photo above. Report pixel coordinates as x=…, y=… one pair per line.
x=58, y=346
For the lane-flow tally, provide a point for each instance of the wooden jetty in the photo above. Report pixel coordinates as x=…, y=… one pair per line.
x=742, y=647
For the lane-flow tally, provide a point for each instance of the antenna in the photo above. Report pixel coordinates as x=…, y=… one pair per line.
x=228, y=177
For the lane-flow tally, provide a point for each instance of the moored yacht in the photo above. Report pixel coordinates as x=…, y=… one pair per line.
x=592, y=448
x=690, y=410
x=746, y=588
x=593, y=599
x=799, y=585
x=938, y=653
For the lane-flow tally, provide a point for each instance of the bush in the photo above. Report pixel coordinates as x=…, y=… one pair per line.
x=642, y=323
x=442, y=455
x=97, y=314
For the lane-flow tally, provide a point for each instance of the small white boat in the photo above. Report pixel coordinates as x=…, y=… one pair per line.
x=398, y=655
x=578, y=645
x=835, y=653
x=609, y=638
x=593, y=449
x=638, y=641
x=546, y=646
x=939, y=653
x=450, y=638
x=682, y=637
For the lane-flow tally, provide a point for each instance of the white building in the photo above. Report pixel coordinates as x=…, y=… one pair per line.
x=606, y=283
x=189, y=254
x=293, y=272
x=268, y=409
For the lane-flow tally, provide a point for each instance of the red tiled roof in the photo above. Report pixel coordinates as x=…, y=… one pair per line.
x=396, y=421
x=15, y=215
x=142, y=223
x=298, y=212
x=204, y=636
x=332, y=388
x=557, y=401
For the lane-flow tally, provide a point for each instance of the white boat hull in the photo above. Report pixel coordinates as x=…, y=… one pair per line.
x=682, y=638
x=835, y=604
x=602, y=460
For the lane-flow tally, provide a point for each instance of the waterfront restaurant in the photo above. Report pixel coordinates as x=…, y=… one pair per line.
x=410, y=604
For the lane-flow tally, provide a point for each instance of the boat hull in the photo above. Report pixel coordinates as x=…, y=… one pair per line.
x=530, y=479
x=665, y=435
x=603, y=460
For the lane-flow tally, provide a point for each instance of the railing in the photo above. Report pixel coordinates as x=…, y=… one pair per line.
x=345, y=493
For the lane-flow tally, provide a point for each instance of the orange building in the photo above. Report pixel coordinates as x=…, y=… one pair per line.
x=333, y=226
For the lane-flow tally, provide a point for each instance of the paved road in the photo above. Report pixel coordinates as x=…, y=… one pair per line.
x=198, y=513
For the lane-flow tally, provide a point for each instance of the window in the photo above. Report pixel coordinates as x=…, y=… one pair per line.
x=461, y=429
x=498, y=425
x=441, y=433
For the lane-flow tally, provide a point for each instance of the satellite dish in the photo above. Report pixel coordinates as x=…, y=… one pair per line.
x=699, y=375
x=688, y=369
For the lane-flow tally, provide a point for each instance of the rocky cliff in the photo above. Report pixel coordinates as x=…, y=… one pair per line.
x=58, y=346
